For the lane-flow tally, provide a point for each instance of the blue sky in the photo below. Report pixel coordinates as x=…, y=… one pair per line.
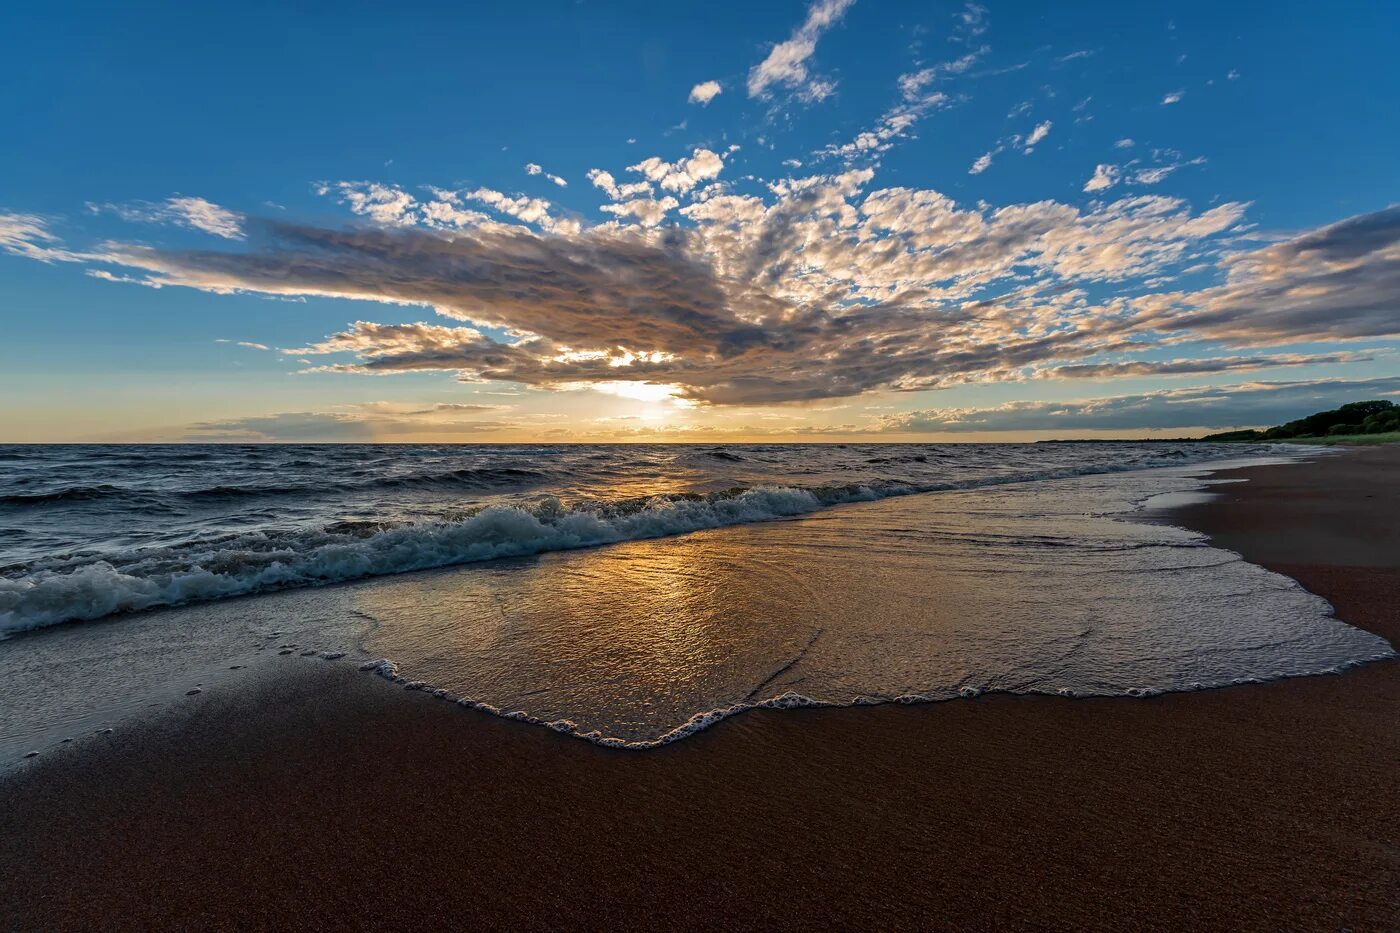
x=813, y=252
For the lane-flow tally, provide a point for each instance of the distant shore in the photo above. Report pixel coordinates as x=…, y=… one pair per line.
x=327, y=798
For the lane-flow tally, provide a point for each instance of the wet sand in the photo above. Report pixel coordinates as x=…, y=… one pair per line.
x=324, y=797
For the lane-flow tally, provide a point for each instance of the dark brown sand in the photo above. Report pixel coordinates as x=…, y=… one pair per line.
x=327, y=798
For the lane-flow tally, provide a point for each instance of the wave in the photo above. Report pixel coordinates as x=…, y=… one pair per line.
x=469, y=477
x=84, y=587
x=67, y=494
x=258, y=563
x=479, y=478
x=719, y=453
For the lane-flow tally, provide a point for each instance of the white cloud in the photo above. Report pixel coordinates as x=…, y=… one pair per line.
x=1041, y=131
x=29, y=236
x=384, y=204
x=648, y=211
x=973, y=19
x=1173, y=97
x=1154, y=174
x=1105, y=176
x=1124, y=143
x=529, y=210
x=786, y=64
x=193, y=213
x=916, y=101
x=683, y=174
x=1025, y=143
x=206, y=216
x=605, y=180
x=705, y=92
x=532, y=168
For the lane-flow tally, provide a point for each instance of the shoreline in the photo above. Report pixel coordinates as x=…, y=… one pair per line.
x=324, y=799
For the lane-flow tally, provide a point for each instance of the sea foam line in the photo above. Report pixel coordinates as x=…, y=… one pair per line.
x=389, y=670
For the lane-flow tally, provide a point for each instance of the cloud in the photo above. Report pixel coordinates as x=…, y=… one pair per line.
x=206, y=216
x=605, y=180
x=917, y=100
x=1136, y=172
x=705, y=92
x=1337, y=282
x=383, y=204
x=1249, y=405
x=389, y=205
x=827, y=291
x=1173, y=97
x=1105, y=176
x=646, y=211
x=527, y=209
x=786, y=64
x=533, y=168
x=29, y=236
x=683, y=174
x=1200, y=366
x=1025, y=143
x=819, y=287
x=192, y=213
x=973, y=22
x=365, y=425
x=1124, y=143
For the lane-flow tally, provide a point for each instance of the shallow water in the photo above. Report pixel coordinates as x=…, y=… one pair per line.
x=1048, y=586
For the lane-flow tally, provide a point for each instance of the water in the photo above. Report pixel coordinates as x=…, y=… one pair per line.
x=88, y=531
x=733, y=577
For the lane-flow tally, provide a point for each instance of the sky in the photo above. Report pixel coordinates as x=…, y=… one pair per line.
x=839, y=220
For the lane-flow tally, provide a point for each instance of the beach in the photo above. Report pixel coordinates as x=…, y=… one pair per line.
x=318, y=796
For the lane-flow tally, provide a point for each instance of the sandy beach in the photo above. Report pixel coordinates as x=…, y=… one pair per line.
x=322, y=797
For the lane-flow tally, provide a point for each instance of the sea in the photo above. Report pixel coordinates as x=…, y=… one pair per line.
x=629, y=595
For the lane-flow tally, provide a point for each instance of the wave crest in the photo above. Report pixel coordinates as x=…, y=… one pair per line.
x=257, y=563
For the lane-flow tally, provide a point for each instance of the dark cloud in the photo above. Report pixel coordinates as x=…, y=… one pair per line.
x=1338, y=282
x=1185, y=367
x=1248, y=405
x=336, y=427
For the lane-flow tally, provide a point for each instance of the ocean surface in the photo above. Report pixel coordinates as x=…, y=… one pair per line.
x=628, y=594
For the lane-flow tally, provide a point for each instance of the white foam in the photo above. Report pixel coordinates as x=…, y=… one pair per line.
x=701, y=721
x=48, y=597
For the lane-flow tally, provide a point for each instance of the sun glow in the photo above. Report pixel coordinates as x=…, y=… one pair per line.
x=642, y=391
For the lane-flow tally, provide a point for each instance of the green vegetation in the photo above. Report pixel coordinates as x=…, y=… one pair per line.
x=1370, y=422
x=1389, y=437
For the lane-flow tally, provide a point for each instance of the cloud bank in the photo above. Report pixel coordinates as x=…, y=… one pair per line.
x=824, y=288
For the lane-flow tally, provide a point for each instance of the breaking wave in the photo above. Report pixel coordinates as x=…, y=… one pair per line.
x=80, y=589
